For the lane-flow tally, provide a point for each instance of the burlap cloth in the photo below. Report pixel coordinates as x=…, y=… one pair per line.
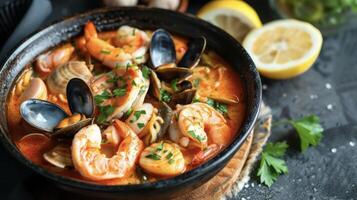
x=229, y=181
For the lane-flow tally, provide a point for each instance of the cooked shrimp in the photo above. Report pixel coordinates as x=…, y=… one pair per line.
x=108, y=54
x=202, y=124
x=47, y=62
x=94, y=165
x=134, y=85
x=134, y=42
x=162, y=159
x=140, y=117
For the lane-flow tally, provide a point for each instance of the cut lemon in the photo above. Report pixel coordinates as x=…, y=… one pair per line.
x=285, y=48
x=234, y=16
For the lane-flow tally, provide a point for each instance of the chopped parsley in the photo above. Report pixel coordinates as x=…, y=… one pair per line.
x=105, y=112
x=128, y=113
x=196, y=82
x=100, y=98
x=140, y=125
x=104, y=51
x=153, y=156
x=169, y=155
x=220, y=107
x=137, y=114
x=194, y=135
x=134, y=83
x=143, y=90
x=146, y=72
x=165, y=96
x=160, y=147
x=174, y=84
x=119, y=92
x=171, y=161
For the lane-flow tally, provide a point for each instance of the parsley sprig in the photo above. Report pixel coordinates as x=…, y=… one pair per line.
x=272, y=165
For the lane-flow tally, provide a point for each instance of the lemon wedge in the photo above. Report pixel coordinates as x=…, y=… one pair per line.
x=234, y=16
x=284, y=48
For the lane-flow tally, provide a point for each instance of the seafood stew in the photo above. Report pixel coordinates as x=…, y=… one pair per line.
x=126, y=106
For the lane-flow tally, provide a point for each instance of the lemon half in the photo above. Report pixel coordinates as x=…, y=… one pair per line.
x=234, y=16
x=285, y=48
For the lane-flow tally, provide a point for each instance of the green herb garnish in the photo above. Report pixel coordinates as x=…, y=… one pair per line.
x=104, y=51
x=140, y=125
x=198, y=137
x=171, y=161
x=153, y=156
x=146, y=72
x=137, y=114
x=160, y=147
x=174, y=84
x=196, y=82
x=104, y=112
x=165, y=96
x=168, y=156
x=100, y=98
x=119, y=92
x=271, y=164
x=220, y=107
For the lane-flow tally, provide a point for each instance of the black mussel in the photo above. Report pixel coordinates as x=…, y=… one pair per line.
x=162, y=49
x=79, y=97
x=183, y=98
x=51, y=118
x=183, y=85
x=166, y=113
x=171, y=72
x=193, y=54
x=41, y=114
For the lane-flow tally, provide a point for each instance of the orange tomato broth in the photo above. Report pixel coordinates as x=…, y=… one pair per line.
x=230, y=86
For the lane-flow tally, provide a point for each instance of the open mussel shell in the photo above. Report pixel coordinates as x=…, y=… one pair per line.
x=79, y=97
x=170, y=72
x=155, y=84
x=193, y=54
x=183, y=98
x=166, y=113
x=41, y=114
x=162, y=49
x=70, y=130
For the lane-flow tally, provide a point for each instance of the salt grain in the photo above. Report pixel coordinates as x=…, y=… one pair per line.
x=352, y=144
x=265, y=87
x=246, y=185
x=333, y=150
x=243, y=198
x=329, y=107
x=252, y=184
x=328, y=86
x=313, y=96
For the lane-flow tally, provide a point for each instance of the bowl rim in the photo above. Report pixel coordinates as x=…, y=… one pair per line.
x=186, y=177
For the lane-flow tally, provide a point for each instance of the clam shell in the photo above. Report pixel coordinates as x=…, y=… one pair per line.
x=59, y=156
x=59, y=78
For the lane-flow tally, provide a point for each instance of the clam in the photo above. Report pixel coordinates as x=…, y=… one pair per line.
x=192, y=56
x=155, y=84
x=162, y=49
x=49, y=117
x=35, y=90
x=59, y=156
x=59, y=78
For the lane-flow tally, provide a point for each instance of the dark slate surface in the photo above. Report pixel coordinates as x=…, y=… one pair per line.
x=326, y=172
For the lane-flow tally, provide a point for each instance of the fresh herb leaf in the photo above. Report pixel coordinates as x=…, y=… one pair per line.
x=210, y=102
x=160, y=147
x=140, y=125
x=171, y=161
x=104, y=112
x=137, y=114
x=196, y=82
x=174, y=84
x=104, y=51
x=134, y=83
x=101, y=97
x=165, y=96
x=153, y=156
x=309, y=130
x=271, y=164
x=169, y=155
x=146, y=72
x=142, y=90
x=128, y=113
x=198, y=137
x=220, y=107
x=119, y=92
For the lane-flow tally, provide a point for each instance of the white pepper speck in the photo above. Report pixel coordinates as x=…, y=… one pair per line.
x=329, y=107
x=352, y=144
x=328, y=86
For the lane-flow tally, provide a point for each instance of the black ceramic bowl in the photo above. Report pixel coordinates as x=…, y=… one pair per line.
x=145, y=18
